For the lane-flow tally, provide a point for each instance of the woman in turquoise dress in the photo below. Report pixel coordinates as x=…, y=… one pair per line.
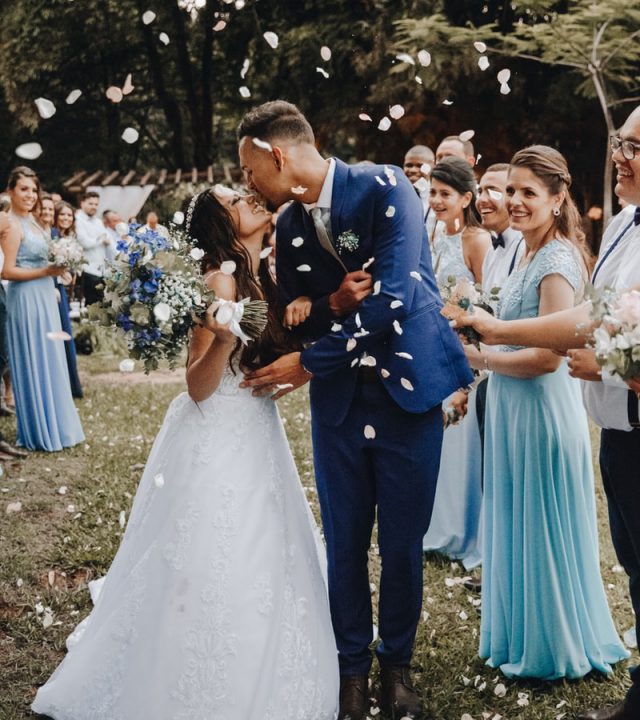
x=47, y=418
x=544, y=608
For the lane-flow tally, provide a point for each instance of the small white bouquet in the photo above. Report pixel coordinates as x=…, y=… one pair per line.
x=460, y=297
x=617, y=338
x=68, y=253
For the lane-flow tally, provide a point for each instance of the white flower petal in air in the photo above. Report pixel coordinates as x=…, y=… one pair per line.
x=466, y=135
x=73, y=96
x=265, y=252
x=46, y=108
x=406, y=384
x=297, y=241
x=426, y=169
x=244, y=91
x=405, y=355
x=483, y=62
x=228, y=267
x=354, y=362
x=262, y=144
x=495, y=194
x=456, y=224
x=366, y=264
x=114, y=94
x=377, y=286
x=220, y=25
x=380, y=181
x=368, y=361
x=303, y=268
x=336, y=327
x=405, y=58
x=322, y=72
x=126, y=366
x=418, y=79
x=447, y=102
x=128, y=87
x=158, y=480
x=245, y=68
x=122, y=519
x=123, y=229
x=391, y=175
x=178, y=219
x=397, y=328
x=325, y=53
x=480, y=46
x=162, y=312
x=396, y=304
x=369, y=432
x=385, y=373
x=148, y=17
x=196, y=253
x=504, y=76
x=390, y=212
x=505, y=89
x=384, y=124
x=424, y=58
x=415, y=275
x=365, y=117
x=271, y=38
x=164, y=38
x=396, y=111
x=358, y=321
x=58, y=335
x=299, y=190
x=351, y=343
x=130, y=135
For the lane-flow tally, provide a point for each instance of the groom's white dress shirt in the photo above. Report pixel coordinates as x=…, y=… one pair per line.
x=324, y=199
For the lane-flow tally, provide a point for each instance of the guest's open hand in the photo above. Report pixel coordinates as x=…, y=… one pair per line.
x=282, y=376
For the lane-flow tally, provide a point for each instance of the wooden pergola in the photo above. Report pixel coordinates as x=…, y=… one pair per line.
x=82, y=179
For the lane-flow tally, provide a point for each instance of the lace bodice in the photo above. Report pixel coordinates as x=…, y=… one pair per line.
x=34, y=246
x=448, y=259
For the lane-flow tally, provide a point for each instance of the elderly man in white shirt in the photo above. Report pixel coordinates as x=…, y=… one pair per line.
x=95, y=241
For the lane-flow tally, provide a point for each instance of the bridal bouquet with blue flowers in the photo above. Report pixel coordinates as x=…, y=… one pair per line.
x=154, y=292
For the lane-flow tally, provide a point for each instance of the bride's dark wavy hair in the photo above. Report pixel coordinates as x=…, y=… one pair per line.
x=212, y=229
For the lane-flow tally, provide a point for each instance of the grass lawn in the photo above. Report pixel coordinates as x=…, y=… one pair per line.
x=75, y=505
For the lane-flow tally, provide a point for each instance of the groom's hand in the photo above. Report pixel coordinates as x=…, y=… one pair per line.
x=354, y=288
x=283, y=376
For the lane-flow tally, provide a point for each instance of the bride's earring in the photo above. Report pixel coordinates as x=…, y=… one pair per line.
x=556, y=211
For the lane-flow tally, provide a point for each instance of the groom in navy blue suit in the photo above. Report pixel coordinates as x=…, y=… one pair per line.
x=379, y=369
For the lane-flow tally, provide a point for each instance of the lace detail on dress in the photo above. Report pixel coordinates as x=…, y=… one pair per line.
x=175, y=553
x=448, y=259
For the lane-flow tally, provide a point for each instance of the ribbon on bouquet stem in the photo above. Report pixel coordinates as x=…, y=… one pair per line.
x=231, y=313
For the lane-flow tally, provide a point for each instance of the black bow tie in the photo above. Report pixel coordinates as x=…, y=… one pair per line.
x=497, y=241
x=636, y=216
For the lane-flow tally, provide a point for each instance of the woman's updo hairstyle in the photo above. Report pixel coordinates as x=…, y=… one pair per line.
x=458, y=174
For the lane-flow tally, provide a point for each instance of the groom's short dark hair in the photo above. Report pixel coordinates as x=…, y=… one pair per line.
x=277, y=119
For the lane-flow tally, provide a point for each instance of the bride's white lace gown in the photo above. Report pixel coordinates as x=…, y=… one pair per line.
x=215, y=606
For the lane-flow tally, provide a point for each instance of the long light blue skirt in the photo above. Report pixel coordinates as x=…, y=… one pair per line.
x=47, y=418
x=544, y=608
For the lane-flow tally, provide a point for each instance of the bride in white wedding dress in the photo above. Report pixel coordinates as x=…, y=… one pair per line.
x=215, y=606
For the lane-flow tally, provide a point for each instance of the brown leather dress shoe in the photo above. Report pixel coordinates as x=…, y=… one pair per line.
x=354, y=697
x=10, y=450
x=398, y=698
x=620, y=711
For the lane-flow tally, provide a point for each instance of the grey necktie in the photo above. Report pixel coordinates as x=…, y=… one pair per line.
x=321, y=218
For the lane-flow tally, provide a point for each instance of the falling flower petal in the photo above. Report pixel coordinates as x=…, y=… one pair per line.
x=123, y=229
x=325, y=53
x=384, y=124
x=415, y=275
x=299, y=190
x=397, y=328
x=396, y=111
x=385, y=373
x=366, y=264
x=418, y=79
x=297, y=241
x=336, y=327
x=322, y=72
x=164, y=38
x=245, y=68
x=424, y=58
x=114, y=94
x=228, y=267
x=265, y=252
x=405, y=58
x=196, y=253
x=380, y=181
x=483, y=62
x=466, y=135
x=447, y=102
x=505, y=89
x=480, y=46
x=351, y=343
x=368, y=361
x=148, y=17
x=47, y=619
x=396, y=304
x=495, y=194
x=46, y=108
x=426, y=169
x=504, y=75
x=73, y=96
x=271, y=38
x=219, y=26
x=365, y=117
x=58, y=335
x=357, y=320
x=130, y=135
x=262, y=144
x=244, y=91
x=391, y=211
x=377, y=286
x=128, y=87
x=391, y=175
x=523, y=700
x=405, y=355
x=406, y=384
x=369, y=432
x=158, y=480
x=303, y=268
x=126, y=366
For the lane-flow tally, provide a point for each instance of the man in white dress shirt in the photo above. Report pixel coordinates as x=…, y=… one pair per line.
x=94, y=239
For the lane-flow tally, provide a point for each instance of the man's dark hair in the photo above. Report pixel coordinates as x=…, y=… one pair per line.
x=498, y=167
x=277, y=119
x=89, y=194
x=469, y=150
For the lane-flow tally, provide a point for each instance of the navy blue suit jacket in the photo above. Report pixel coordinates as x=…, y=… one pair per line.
x=379, y=205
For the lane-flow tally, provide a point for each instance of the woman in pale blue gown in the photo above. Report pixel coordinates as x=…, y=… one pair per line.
x=544, y=608
x=47, y=418
x=458, y=251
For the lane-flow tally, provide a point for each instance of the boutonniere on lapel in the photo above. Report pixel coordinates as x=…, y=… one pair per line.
x=348, y=241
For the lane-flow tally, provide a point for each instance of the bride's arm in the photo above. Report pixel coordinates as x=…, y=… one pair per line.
x=211, y=344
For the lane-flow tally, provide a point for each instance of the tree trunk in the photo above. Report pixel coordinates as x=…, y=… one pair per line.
x=206, y=81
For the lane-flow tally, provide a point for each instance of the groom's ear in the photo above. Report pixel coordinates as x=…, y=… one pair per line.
x=278, y=157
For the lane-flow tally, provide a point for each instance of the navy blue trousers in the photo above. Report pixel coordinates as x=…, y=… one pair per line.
x=394, y=476
x=620, y=467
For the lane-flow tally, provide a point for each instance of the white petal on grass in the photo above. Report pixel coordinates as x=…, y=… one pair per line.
x=128, y=87
x=244, y=91
x=384, y=124
x=396, y=304
x=122, y=519
x=325, y=53
x=47, y=619
x=396, y=111
x=322, y=72
x=406, y=384
x=365, y=117
x=73, y=96
x=415, y=275
x=504, y=75
x=262, y=144
x=390, y=212
x=500, y=690
x=505, y=89
x=265, y=252
x=495, y=194
x=158, y=480
x=480, y=46
x=271, y=38
x=148, y=17
x=466, y=135
x=58, y=335
x=297, y=241
x=404, y=355
x=523, y=701
x=126, y=366
x=220, y=25
x=405, y=58
x=483, y=62
x=13, y=507
x=397, y=328
x=299, y=190
x=351, y=343
x=228, y=267
x=369, y=432
x=114, y=94
x=62, y=490
x=377, y=286
x=46, y=108
x=304, y=268
x=19, y=582
x=424, y=58
x=164, y=38
x=130, y=135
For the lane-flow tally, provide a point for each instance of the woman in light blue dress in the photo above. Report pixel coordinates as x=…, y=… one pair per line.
x=47, y=418
x=458, y=252
x=544, y=608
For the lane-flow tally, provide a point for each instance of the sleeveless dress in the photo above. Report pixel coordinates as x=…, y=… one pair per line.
x=455, y=527
x=544, y=608
x=47, y=418
x=215, y=606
